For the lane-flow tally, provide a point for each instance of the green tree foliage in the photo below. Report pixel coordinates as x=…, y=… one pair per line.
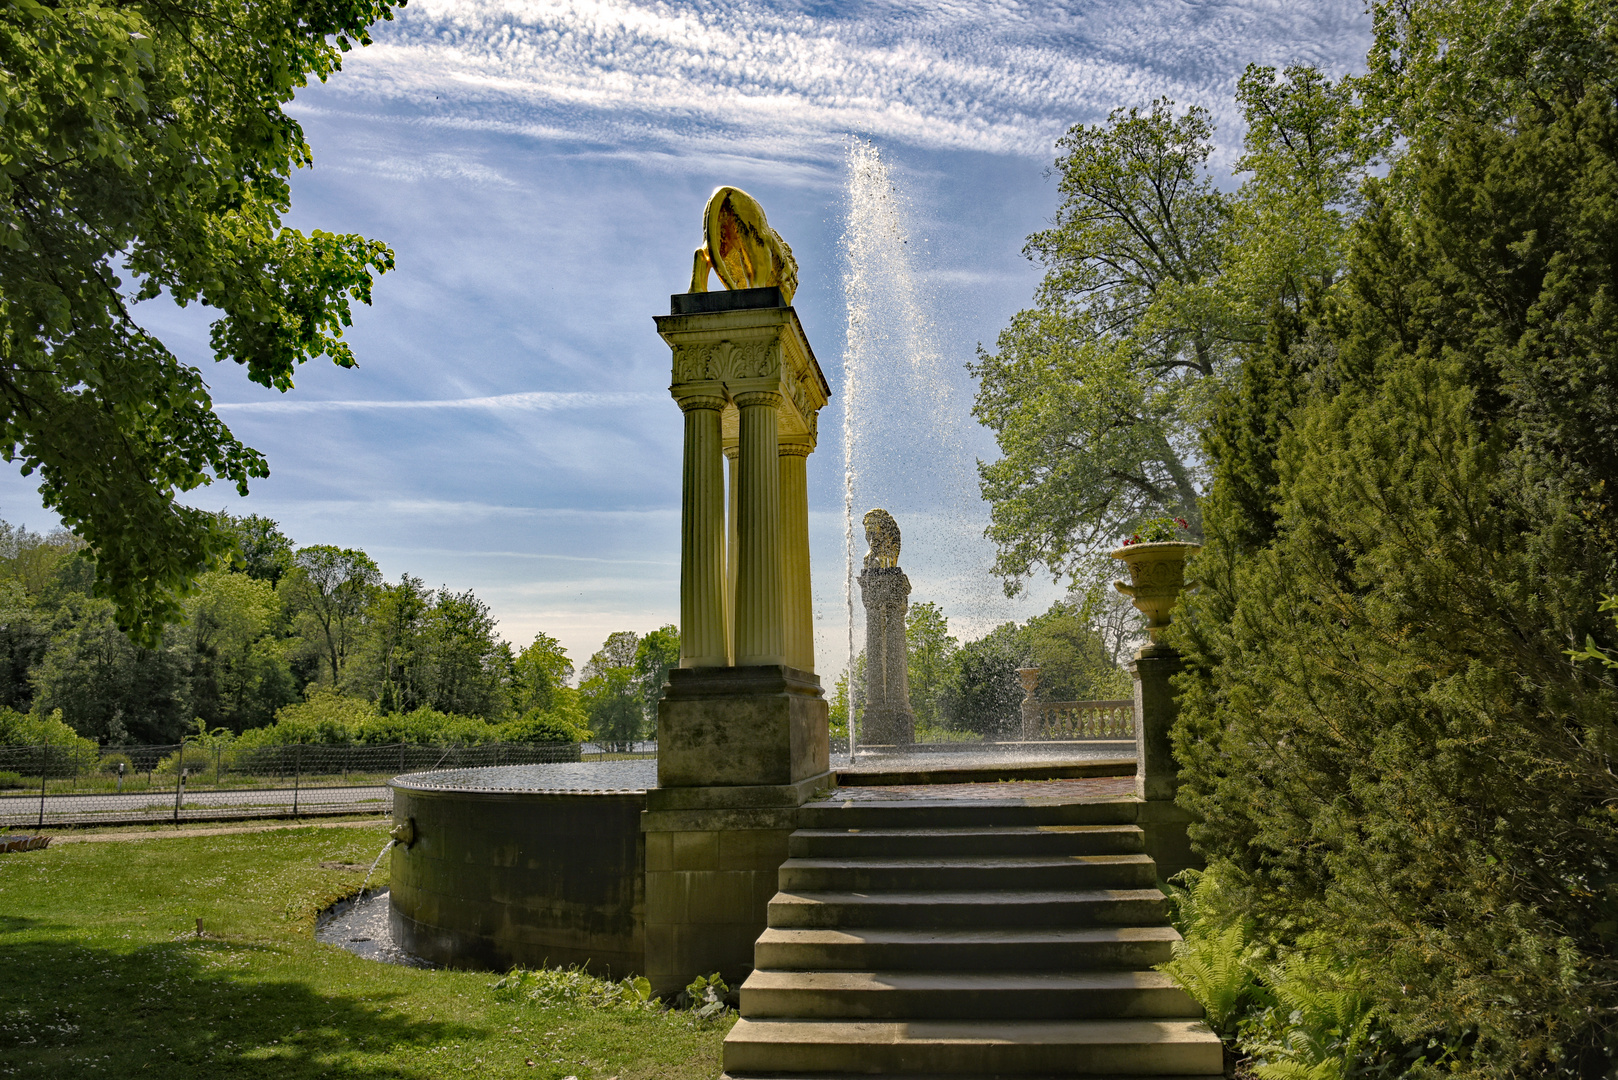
x=1156, y=285
x=539, y=672
x=983, y=694
x=328, y=591
x=238, y=674
x=612, y=692
x=1385, y=740
x=148, y=140
x=265, y=551
x=655, y=654
x=1095, y=393
x=110, y=688
x=1073, y=658
x=929, y=650
x=244, y=652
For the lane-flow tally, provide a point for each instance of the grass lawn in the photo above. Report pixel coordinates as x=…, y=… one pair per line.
x=102, y=974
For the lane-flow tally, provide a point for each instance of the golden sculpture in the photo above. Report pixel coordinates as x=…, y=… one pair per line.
x=882, y=534
x=739, y=243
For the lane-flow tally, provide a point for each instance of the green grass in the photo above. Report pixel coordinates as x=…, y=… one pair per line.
x=104, y=976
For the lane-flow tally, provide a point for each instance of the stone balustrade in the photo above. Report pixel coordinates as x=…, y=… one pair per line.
x=1079, y=719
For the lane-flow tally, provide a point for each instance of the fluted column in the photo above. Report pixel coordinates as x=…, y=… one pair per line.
x=702, y=537
x=759, y=623
x=731, y=454
x=798, y=600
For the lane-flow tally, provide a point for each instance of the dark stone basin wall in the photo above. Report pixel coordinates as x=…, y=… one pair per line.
x=497, y=879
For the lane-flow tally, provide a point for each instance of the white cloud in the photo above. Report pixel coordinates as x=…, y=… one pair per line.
x=992, y=76
x=529, y=401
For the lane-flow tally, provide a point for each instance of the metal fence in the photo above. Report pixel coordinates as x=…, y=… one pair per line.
x=42, y=786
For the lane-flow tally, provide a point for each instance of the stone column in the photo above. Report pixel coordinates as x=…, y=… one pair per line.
x=731, y=454
x=759, y=638
x=740, y=747
x=1157, y=776
x=798, y=597
x=702, y=537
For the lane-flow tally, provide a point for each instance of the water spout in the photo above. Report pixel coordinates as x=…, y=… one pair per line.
x=378, y=862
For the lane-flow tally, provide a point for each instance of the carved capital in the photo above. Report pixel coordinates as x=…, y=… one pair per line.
x=767, y=398
x=796, y=449
x=692, y=402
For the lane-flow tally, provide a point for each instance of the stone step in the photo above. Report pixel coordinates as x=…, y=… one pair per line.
x=1011, y=840
x=958, y=873
x=983, y=1047
x=995, y=949
x=1071, y=907
x=751, y=1075
x=965, y=995
x=833, y=813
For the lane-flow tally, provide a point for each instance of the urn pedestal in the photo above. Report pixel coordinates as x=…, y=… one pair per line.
x=1157, y=577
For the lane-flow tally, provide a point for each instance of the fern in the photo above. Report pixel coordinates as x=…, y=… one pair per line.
x=1212, y=966
x=1320, y=1023
x=1212, y=959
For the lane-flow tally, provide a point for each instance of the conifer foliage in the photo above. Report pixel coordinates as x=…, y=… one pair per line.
x=1386, y=733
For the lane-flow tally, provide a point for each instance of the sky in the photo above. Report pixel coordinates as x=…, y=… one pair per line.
x=539, y=169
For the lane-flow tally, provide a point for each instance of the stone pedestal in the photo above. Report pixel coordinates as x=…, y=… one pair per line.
x=1157, y=775
x=740, y=749
x=888, y=719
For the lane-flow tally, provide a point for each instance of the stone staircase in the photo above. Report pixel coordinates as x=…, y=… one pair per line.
x=987, y=938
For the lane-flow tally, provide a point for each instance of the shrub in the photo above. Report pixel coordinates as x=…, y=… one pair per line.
x=110, y=762
x=12, y=780
x=194, y=758
x=31, y=729
x=575, y=986
x=547, y=726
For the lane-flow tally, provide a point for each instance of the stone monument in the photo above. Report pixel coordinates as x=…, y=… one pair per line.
x=742, y=737
x=888, y=719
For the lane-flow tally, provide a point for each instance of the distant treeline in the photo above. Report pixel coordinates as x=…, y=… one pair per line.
x=974, y=690
x=310, y=640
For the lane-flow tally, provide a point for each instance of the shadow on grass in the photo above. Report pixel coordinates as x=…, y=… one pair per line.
x=191, y=1008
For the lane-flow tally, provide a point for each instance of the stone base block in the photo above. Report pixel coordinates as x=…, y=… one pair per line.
x=888, y=727
x=710, y=874
x=1167, y=842
x=741, y=726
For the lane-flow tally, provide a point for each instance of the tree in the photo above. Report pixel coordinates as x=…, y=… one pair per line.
x=148, y=141
x=390, y=667
x=1158, y=291
x=266, y=552
x=109, y=688
x=237, y=670
x=929, y=649
x=1386, y=745
x=1072, y=656
x=328, y=589
x=612, y=694
x=655, y=654
x=538, y=673
x=1094, y=394
x=618, y=651
x=983, y=693
x=468, y=668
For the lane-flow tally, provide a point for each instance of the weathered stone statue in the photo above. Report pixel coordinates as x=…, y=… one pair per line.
x=885, y=589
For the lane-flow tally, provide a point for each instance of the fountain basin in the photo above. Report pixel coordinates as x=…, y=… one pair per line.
x=523, y=865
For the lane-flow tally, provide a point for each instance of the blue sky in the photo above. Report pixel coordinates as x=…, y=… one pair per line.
x=539, y=169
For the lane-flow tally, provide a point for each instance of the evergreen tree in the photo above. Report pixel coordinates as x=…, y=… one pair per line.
x=1386, y=741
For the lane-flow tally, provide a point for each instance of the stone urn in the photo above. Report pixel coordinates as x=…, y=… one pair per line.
x=1157, y=577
